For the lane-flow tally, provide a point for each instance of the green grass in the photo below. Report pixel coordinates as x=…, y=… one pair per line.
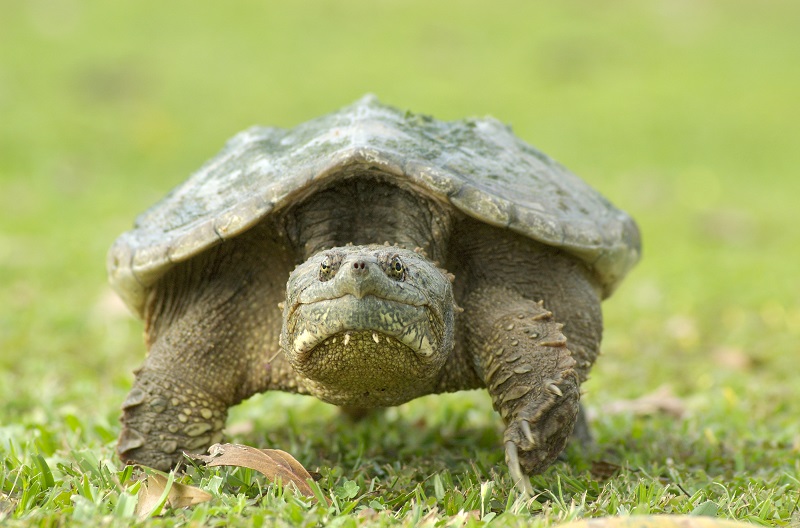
x=683, y=113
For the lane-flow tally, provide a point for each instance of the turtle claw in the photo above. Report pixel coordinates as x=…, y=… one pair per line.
x=526, y=430
x=520, y=480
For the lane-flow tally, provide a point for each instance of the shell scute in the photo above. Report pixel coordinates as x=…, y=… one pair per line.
x=477, y=165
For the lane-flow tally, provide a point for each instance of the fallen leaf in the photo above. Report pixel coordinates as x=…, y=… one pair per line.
x=603, y=470
x=272, y=463
x=732, y=358
x=158, y=491
x=7, y=503
x=660, y=401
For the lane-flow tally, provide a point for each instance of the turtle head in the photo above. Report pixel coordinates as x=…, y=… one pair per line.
x=368, y=326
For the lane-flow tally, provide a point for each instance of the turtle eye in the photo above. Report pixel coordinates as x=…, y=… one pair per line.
x=328, y=268
x=397, y=270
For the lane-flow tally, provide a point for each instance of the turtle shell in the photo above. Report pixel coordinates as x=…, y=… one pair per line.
x=477, y=165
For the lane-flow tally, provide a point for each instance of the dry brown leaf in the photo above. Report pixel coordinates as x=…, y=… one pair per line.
x=179, y=496
x=732, y=358
x=660, y=401
x=656, y=521
x=603, y=470
x=7, y=503
x=272, y=463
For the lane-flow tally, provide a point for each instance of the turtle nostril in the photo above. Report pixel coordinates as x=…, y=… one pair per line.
x=359, y=265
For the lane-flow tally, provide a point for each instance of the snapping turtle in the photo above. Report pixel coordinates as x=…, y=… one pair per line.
x=369, y=257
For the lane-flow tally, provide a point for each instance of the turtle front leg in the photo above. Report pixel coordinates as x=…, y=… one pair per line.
x=212, y=327
x=522, y=357
x=166, y=414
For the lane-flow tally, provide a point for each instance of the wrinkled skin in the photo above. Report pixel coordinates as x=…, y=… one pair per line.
x=367, y=325
x=377, y=309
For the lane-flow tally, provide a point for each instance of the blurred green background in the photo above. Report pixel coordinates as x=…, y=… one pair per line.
x=683, y=112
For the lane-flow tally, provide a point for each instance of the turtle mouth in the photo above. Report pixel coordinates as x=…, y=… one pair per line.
x=365, y=369
x=339, y=319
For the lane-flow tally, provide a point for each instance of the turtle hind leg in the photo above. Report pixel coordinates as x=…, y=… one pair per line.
x=356, y=414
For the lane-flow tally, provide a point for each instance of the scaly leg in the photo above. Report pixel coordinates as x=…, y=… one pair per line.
x=165, y=415
x=523, y=359
x=212, y=328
